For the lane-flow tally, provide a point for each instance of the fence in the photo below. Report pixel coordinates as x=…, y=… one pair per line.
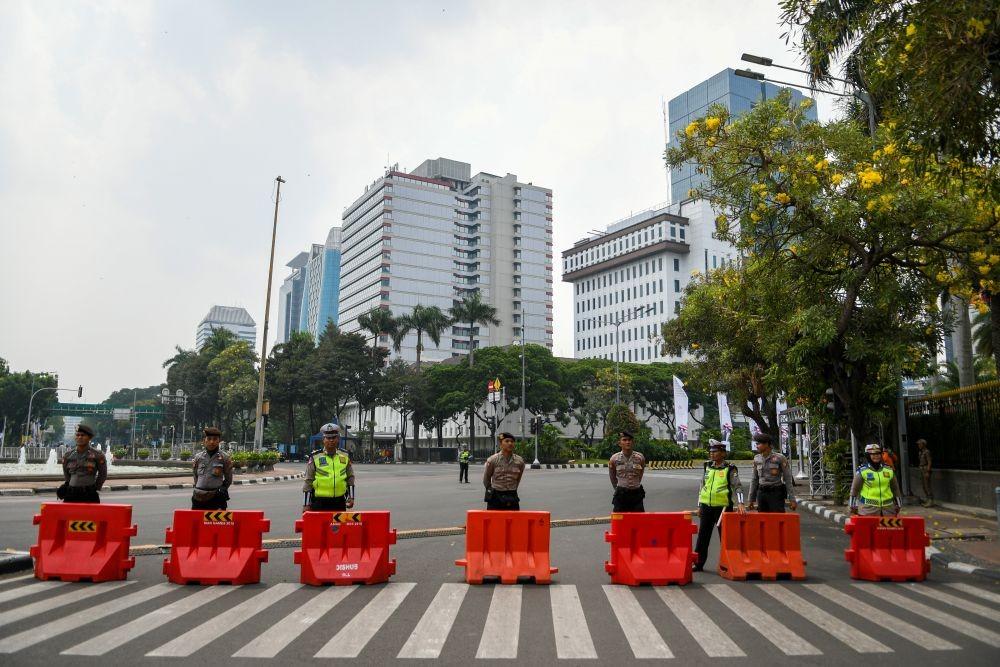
x=961, y=427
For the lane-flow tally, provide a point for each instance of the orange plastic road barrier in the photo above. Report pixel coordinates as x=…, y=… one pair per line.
x=216, y=547
x=344, y=548
x=509, y=546
x=651, y=548
x=887, y=549
x=83, y=542
x=761, y=545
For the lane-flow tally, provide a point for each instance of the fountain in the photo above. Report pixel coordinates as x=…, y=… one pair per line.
x=22, y=458
x=111, y=460
x=52, y=466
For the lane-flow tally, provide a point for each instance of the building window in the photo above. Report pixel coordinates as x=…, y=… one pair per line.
x=517, y=305
x=677, y=264
x=677, y=286
x=517, y=280
x=677, y=307
x=517, y=254
x=517, y=292
x=517, y=229
x=682, y=233
x=385, y=282
x=517, y=266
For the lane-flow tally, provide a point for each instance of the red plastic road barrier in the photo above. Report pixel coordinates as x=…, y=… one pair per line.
x=651, y=548
x=761, y=545
x=216, y=547
x=344, y=548
x=508, y=546
x=887, y=549
x=83, y=541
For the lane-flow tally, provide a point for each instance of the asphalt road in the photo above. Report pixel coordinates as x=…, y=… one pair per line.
x=428, y=611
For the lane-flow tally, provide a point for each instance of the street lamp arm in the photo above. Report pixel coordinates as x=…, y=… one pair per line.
x=768, y=62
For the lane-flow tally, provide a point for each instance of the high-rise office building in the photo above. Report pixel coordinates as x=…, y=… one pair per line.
x=233, y=318
x=321, y=286
x=290, y=297
x=735, y=93
x=438, y=234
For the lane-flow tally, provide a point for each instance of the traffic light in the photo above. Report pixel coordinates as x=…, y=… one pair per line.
x=79, y=391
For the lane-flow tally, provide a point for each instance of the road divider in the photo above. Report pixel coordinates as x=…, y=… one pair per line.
x=509, y=546
x=887, y=548
x=83, y=542
x=216, y=547
x=344, y=548
x=650, y=548
x=761, y=545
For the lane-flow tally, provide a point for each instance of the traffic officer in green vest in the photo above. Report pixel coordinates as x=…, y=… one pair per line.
x=84, y=470
x=329, y=483
x=875, y=489
x=463, y=464
x=213, y=474
x=720, y=486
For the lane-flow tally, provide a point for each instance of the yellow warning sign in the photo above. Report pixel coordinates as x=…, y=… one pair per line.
x=218, y=516
x=82, y=526
x=346, y=517
x=886, y=522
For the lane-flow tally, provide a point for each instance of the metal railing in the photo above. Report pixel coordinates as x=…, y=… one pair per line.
x=961, y=427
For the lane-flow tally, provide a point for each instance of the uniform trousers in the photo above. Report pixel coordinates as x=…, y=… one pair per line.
x=708, y=516
x=463, y=473
x=628, y=500
x=503, y=500
x=216, y=502
x=332, y=504
x=771, y=498
x=82, y=494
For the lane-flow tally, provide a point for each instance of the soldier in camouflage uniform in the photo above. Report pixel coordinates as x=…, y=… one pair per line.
x=84, y=469
x=213, y=474
x=626, y=468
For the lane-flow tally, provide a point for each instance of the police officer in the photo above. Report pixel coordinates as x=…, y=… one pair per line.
x=329, y=484
x=463, y=464
x=876, y=485
x=213, y=474
x=772, y=481
x=626, y=468
x=720, y=482
x=84, y=470
x=502, y=476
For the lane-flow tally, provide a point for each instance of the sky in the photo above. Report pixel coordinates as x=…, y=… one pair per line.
x=139, y=143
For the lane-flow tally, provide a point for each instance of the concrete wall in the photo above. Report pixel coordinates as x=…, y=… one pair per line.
x=972, y=488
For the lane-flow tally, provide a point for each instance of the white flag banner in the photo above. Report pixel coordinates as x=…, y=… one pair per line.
x=754, y=430
x=725, y=420
x=780, y=406
x=680, y=410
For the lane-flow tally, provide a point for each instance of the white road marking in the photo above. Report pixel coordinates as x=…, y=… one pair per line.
x=907, y=631
x=4, y=582
x=785, y=640
x=954, y=622
x=978, y=592
x=709, y=636
x=973, y=608
x=282, y=633
x=642, y=635
x=201, y=636
x=123, y=634
x=848, y=634
x=352, y=638
x=428, y=638
x=30, y=589
x=503, y=624
x=42, y=606
x=573, y=640
x=65, y=624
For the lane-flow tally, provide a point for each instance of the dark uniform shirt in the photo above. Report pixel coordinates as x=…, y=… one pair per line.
x=502, y=473
x=212, y=471
x=925, y=459
x=85, y=469
x=626, y=473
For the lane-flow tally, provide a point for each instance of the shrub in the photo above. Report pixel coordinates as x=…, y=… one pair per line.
x=120, y=453
x=143, y=454
x=699, y=454
x=663, y=450
x=185, y=454
x=240, y=459
x=837, y=459
x=269, y=458
x=741, y=455
x=164, y=454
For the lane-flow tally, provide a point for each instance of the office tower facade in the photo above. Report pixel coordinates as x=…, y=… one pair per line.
x=290, y=297
x=321, y=286
x=233, y=318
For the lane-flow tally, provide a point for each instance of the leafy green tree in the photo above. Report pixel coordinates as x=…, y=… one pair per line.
x=441, y=397
x=472, y=311
x=401, y=391
x=289, y=382
x=377, y=322
x=142, y=396
x=16, y=389
x=236, y=368
x=429, y=320
x=341, y=363
x=588, y=399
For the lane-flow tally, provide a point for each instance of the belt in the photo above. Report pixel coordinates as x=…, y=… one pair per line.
x=875, y=503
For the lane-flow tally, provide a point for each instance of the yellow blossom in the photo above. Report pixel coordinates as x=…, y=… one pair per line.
x=908, y=47
x=712, y=123
x=710, y=142
x=782, y=198
x=869, y=178
x=911, y=30
x=889, y=149
x=984, y=269
x=755, y=216
x=691, y=128
x=822, y=164
x=902, y=58
x=806, y=103
x=836, y=179
x=721, y=219
x=692, y=194
x=762, y=206
x=977, y=28
x=876, y=155
x=994, y=259
x=905, y=161
x=978, y=256
x=943, y=277
x=695, y=346
x=905, y=181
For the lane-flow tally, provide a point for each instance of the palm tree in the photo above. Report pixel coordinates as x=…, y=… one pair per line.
x=982, y=334
x=376, y=322
x=472, y=311
x=428, y=320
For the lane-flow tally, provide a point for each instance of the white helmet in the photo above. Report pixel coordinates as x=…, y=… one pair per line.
x=330, y=429
x=873, y=449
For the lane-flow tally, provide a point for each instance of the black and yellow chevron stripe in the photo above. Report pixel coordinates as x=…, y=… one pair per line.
x=218, y=516
x=665, y=465
x=77, y=526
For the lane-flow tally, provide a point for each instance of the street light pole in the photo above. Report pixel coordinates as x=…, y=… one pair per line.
x=617, y=322
x=258, y=434
x=38, y=391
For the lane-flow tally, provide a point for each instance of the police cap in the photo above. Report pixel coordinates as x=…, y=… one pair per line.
x=86, y=429
x=762, y=437
x=212, y=431
x=506, y=436
x=626, y=434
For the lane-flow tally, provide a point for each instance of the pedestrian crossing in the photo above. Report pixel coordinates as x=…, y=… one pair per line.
x=427, y=621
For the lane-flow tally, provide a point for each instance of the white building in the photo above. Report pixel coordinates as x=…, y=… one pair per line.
x=233, y=318
x=290, y=297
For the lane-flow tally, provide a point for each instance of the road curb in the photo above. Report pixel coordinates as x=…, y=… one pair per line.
x=40, y=490
x=935, y=555
x=15, y=561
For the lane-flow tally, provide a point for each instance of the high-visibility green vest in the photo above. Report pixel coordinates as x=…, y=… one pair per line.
x=715, y=487
x=331, y=474
x=876, y=488
x=464, y=457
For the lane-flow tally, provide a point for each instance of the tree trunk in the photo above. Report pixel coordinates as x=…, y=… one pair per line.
x=964, y=357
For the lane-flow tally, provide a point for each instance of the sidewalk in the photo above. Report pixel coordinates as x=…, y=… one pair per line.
x=962, y=539
x=29, y=488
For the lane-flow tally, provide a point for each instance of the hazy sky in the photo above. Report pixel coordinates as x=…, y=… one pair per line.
x=139, y=142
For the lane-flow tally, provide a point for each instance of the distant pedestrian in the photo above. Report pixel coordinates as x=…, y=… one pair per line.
x=875, y=489
x=213, y=474
x=329, y=483
x=502, y=476
x=720, y=484
x=626, y=468
x=926, y=471
x=84, y=470
x=771, y=483
x=889, y=458
x=463, y=464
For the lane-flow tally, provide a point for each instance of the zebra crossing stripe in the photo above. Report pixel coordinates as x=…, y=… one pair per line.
x=955, y=601
x=977, y=592
x=713, y=640
x=121, y=635
x=45, y=632
x=503, y=624
x=4, y=582
x=43, y=606
x=428, y=638
x=909, y=632
x=954, y=622
x=279, y=635
x=573, y=640
x=352, y=638
x=30, y=589
x=201, y=636
x=785, y=640
x=849, y=635
x=640, y=632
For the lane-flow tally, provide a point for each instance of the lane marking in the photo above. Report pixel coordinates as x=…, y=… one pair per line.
x=709, y=636
x=69, y=623
x=428, y=638
x=957, y=624
x=204, y=634
x=849, y=635
x=503, y=624
x=30, y=589
x=43, y=606
x=909, y=632
x=123, y=634
x=787, y=641
x=282, y=633
x=352, y=638
x=573, y=640
x=4, y=582
x=642, y=635
x=977, y=592
x=955, y=601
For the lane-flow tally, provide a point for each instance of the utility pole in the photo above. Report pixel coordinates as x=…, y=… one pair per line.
x=258, y=435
